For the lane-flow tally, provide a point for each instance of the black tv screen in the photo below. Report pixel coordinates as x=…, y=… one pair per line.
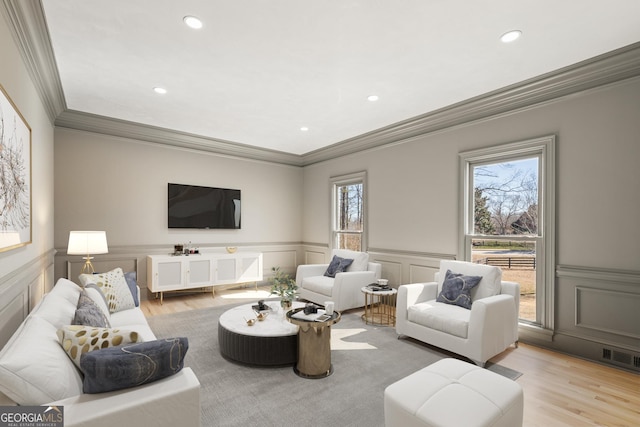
x=192, y=206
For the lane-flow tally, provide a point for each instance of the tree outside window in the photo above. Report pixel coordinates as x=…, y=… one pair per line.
x=506, y=206
x=349, y=218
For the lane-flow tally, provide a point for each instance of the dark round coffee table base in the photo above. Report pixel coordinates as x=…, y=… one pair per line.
x=256, y=350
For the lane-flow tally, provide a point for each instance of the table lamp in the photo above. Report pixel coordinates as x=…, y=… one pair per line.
x=87, y=243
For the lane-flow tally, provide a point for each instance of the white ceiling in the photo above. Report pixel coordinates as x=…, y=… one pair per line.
x=259, y=70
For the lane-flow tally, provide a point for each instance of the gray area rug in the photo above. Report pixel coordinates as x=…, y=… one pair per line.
x=365, y=358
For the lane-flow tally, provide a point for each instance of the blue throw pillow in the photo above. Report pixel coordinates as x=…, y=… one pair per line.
x=337, y=265
x=131, y=365
x=456, y=289
x=132, y=282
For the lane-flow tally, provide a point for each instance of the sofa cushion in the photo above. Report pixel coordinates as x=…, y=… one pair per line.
x=360, y=259
x=77, y=340
x=319, y=284
x=491, y=283
x=88, y=313
x=133, y=320
x=337, y=265
x=132, y=365
x=34, y=369
x=61, y=303
x=115, y=288
x=447, y=318
x=456, y=289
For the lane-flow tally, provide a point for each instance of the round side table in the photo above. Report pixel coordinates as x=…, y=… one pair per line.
x=379, y=307
x=314, y=345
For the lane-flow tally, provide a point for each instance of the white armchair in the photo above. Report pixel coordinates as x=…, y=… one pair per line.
x=344, y=289
x=479, y=333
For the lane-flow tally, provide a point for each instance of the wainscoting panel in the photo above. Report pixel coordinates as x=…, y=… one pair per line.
x=12, y=314
x=421, y=273
x=624, y=309
x=315, y=257
x=286, y=259
x=605, y=313
x=402, y=267
x=392, y=271
x=21, y=291
x=101, y=264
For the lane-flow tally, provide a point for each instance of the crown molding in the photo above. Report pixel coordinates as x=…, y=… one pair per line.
x=28, y=27
x=121, y=128
x=612, y=67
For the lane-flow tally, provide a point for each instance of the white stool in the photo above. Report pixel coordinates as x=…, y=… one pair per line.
x=451, y=392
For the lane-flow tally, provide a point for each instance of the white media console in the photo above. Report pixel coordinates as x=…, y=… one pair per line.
x=167, y=273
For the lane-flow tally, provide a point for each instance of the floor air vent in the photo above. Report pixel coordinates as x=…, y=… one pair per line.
x=621, y=358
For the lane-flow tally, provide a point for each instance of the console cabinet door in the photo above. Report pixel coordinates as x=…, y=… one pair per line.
x=199, y=272
x=250, y=268
x=167, y=275
x=226, y=270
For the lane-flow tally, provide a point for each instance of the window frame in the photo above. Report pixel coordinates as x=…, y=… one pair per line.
x=544, y=149
x=342, y=180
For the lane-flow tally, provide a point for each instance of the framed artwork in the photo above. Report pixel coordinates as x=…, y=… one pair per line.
x=15, y=176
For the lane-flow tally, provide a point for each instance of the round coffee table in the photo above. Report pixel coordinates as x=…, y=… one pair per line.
x=271, y=342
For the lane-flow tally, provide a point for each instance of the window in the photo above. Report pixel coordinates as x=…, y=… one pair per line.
x=348, y=207
x=508, y=219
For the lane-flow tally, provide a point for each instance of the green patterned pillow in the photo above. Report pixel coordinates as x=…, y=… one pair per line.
x=77, y=339
x=114, y=287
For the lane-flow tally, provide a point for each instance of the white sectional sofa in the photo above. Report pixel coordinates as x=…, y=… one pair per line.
x=36, y=370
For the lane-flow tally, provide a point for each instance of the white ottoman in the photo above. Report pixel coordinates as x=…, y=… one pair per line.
x=451, y=392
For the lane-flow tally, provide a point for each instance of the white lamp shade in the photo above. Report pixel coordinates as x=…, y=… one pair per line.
x=87, y=242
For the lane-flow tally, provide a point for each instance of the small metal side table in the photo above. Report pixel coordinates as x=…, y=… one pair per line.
x=314, y=345
x=379, y=307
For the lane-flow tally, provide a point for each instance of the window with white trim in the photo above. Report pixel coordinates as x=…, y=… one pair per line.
x=348, y=212
x=508, y=202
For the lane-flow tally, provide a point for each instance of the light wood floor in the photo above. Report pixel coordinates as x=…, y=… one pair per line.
x=559, y=390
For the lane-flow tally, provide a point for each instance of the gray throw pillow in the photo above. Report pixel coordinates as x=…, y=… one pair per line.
x=337, y=265
x=88, y=313
x=456, y=289
x=131, y=365
x=132, y=282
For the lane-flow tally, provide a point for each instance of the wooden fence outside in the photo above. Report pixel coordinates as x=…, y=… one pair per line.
x=509, y=262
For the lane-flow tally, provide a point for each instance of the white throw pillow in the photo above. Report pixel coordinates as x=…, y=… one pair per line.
x=360, y=259
x=114, y=287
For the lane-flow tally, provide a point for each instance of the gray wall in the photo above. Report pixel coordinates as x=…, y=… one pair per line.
x=27, y=272
x=414, y=208
x=120, y=186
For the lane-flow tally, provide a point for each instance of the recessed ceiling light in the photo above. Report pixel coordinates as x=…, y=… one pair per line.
x=192, y=22
x=160, y=90
x=304, y=129
x=373, y=98
x=510, y=36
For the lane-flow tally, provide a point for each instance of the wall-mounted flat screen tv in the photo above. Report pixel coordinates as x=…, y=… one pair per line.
x=192, y=206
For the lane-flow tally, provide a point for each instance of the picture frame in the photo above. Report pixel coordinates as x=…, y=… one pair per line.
x=15, y=176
